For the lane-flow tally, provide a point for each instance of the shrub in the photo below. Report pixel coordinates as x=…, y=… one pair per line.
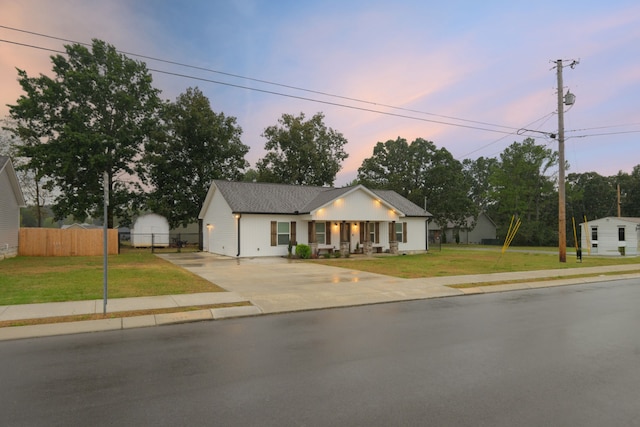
x=303, y=251
x=337, y=254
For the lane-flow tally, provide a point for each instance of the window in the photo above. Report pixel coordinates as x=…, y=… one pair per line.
x=321, y=233
x=372, y=232
x=620, y=234
x=283, y=233
x=399, y=232
x=594, y=233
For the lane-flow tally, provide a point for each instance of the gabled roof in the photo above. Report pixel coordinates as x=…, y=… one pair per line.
x=267, y=198
x=634, y=220
x=7, y=165
x=403, y=204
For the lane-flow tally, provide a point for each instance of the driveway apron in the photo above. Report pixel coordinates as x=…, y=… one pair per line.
x=281, y=285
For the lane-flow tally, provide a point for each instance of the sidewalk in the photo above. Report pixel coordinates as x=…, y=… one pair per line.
x=116, y=305
x=278, y=285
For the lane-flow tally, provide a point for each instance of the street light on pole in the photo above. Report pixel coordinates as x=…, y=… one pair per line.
x=563, y=100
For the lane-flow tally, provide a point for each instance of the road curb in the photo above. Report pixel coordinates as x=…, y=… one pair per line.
x=114, y=324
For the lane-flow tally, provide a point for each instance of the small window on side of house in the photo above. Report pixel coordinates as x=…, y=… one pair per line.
x=283, y=233
x=621, y=236
x=399, y=232
x=321, y=233
x=594, y=233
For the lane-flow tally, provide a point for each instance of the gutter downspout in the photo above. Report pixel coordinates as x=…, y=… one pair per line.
x=238, y=217
x=426, y=238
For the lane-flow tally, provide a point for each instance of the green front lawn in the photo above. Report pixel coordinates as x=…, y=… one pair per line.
x=453, y=261
x=25, y=280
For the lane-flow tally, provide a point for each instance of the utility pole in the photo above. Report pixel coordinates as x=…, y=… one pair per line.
x=105, y=242
x=562, y=216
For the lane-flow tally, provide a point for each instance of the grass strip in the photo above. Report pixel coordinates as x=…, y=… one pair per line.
x=116, y=315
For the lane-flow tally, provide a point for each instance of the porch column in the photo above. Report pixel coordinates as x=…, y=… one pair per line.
x=313, y=243
x=367, y=246
x=393, y=239
x=344, y=238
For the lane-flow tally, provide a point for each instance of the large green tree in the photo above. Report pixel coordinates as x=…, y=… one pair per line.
x=301, y=152
x=196, y=146
x=420, y=172
x=522, y=185
x=29, y=175
x=590, y=194
x=477, y=173
x=92, y=117
x=630, y=192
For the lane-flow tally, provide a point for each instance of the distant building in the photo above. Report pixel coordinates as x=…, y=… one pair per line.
x=482, y=232
x=11, y=200
x=611, y=236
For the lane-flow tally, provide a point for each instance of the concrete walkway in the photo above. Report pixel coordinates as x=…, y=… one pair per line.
x=277, y=285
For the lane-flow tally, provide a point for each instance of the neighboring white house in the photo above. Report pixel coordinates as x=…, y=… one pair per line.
x=150, y=230
x=246, y=219
x=483, y=229
x=11, y=200
x=78, y=226
x=611, y=236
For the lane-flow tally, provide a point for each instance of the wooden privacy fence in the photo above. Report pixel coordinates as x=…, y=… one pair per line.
x=70, y=242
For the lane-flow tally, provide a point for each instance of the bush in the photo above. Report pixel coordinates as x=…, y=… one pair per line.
x=303, y=251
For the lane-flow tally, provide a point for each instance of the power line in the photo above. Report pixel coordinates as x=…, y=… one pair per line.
x=604, y=127
x=287, y=95
x=317, y=92
x=386, y=113
x=546, y=117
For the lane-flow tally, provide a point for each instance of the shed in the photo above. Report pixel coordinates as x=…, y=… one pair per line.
x=611, y=236
x=150, y=230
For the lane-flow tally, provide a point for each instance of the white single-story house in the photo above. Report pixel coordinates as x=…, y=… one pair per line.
x=611, y=236
x=246, y=219
x=150, y=230
x=11, y=200
x=484, y=230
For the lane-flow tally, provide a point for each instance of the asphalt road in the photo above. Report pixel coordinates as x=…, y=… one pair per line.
x=554, y=357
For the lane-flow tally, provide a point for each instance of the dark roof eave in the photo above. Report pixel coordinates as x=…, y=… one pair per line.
x=268, y=213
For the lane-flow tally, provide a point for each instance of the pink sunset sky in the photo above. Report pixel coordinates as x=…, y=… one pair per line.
x=471, y=65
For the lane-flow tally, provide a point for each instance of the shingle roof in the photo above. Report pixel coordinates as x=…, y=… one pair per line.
x=260, y=197
x=405, y=205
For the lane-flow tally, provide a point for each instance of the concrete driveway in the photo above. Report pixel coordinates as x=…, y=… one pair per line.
x=277, y=285
x=280, y=285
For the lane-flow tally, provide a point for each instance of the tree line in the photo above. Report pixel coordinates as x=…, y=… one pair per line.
x=100, y=121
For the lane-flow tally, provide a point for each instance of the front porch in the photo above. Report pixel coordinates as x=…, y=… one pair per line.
x=354, y=237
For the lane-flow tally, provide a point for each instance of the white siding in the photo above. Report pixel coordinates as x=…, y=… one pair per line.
x=608, y=243
x=416, y=235
x=219, y=227
x=356, y=206
x=9, y=217
x=255, y=234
